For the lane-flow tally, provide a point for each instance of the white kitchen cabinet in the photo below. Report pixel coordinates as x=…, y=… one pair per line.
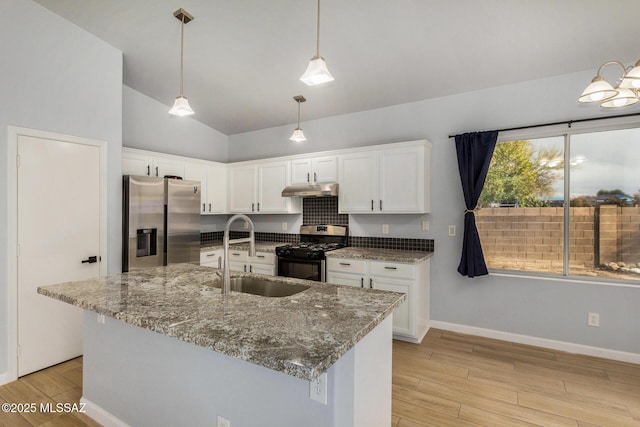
x=411, y=318
x=213, y=179
x=242, y=189
x=386, y=180
x=212, y=258
x=314, y=170
x=358, y=182
x=138, y=162
x=257, y=188
x=262, y=263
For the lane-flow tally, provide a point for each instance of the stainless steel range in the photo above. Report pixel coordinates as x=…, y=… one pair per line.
x=306, y=260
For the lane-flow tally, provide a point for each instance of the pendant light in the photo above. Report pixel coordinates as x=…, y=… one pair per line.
x=298, y=135
x=317, y=71
x=627, y=92
x=181, y=105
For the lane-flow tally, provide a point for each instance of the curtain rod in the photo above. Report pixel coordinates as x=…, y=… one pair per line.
x=566, y=122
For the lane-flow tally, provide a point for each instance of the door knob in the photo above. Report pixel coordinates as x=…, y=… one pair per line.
x=90, y=260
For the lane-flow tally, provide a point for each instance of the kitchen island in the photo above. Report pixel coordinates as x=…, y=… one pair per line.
x=173, y=351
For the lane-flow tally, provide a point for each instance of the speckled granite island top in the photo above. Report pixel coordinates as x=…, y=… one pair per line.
x=375, y=254
x=301, y=335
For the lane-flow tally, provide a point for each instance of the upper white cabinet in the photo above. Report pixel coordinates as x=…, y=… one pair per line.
x=136, y=162
x=314, y=170
x=257, y=188
x=386, y=180
x=213, y=179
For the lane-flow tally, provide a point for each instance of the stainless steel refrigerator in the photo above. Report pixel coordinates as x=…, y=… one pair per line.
x=160, y=222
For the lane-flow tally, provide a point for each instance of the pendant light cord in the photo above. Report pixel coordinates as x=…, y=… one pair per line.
x=182, y=56
x=298, y=114
x=317, y=33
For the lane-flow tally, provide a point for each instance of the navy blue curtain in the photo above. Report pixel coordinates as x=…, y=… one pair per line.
x=474, y=155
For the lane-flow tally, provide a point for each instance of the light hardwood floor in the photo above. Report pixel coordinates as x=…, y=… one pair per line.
x=58, y=384
x=452, y=379
x=448, y=380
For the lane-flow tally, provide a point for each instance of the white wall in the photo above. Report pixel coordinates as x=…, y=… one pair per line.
x=555, y=310
x=147, y=125
x=57, y=78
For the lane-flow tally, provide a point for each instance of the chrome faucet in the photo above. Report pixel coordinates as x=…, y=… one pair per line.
x=226, y=280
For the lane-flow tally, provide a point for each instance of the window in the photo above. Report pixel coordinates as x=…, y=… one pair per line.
x=564, y=207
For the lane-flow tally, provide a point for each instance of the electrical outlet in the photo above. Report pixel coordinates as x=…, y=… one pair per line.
x=284, y=226
x=223, y=422
x=100, y=318
x=318, y=389
x=452, y=230
x=425, y=225
x=385, y=228
x=594, y=319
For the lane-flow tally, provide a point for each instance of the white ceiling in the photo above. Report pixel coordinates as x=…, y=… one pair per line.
x=243, y=58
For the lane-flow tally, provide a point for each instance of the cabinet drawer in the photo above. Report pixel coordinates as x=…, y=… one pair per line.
x=263, y=258
x=238, y=256
x=210, y=258
x=347, y=265
x=392, y=269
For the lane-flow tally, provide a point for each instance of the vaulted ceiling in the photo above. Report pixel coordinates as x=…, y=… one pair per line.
x=243, y=58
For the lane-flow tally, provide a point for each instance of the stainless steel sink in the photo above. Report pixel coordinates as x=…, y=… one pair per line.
x=265, y=288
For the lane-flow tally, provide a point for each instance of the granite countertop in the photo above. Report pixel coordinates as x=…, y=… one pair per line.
x=375, y=254
x=260, y=246
x=301, y=335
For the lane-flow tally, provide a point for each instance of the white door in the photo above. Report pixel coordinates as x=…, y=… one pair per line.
x=301, y=171
x=58, y=228
x=325, y=169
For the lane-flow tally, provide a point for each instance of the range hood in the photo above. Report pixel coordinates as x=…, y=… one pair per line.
x=311, y=190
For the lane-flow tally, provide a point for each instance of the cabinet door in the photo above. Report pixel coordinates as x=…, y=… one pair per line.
x=325, y=169
x=356, y=280
x=212, y=258
x=166, y=166
x=194, y=171
x=301, y=171
x=402, y=180
x=265, y=269
x=238, y=266
x=242, y=189
x=358, y=183
x=403, y=322
x=272, y=178
x=135, y=164
x=216, y=189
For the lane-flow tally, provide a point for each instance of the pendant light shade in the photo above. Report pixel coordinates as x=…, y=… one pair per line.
x=626, y=93
x=298, y=135
x=181, y=105
x=317, y=71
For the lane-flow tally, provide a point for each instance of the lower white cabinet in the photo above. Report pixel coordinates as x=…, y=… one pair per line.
x=411, y=318
x=212, y=258
x=239, y=260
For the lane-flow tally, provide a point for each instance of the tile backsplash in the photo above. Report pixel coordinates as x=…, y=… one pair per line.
x=324, y=210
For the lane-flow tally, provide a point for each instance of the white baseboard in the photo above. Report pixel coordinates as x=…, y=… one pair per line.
x=568, y=347
x=4, y=378
x=101, y=416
